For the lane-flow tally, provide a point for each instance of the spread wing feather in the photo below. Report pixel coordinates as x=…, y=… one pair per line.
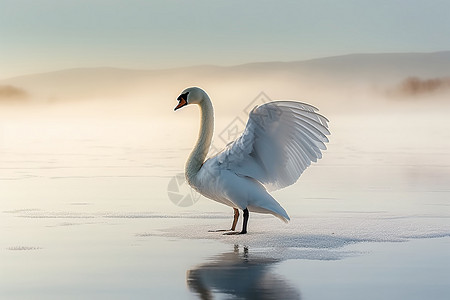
x=279, y=142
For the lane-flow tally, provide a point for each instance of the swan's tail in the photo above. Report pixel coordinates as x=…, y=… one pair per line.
x=269, y=205
x=246, y=192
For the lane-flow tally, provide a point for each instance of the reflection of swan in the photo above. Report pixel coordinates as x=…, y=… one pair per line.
x=280, y=141
x=238, y=275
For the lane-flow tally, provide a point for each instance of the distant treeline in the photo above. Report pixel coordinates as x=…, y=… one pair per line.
x=10, y=93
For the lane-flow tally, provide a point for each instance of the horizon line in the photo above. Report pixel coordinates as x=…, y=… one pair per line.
x=215, y=65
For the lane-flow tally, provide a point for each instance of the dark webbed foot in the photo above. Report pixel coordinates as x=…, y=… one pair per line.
x=244, y=224
x=233, y=226
x=235, y=232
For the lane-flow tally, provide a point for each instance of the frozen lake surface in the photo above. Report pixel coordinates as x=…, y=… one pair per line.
x=87, y=211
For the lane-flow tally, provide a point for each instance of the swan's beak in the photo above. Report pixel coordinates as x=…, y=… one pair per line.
x=182, y=102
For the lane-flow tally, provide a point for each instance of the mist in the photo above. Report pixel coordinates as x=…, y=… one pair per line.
x=117, y=105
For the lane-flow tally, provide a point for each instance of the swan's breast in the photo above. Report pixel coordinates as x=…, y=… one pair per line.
x=209, y=182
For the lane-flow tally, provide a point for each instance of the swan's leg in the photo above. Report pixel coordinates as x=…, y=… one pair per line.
x=236, y=217
x=233, y=226
x=244, y=224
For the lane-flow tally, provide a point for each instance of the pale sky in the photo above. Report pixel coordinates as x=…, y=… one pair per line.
x=46, y=35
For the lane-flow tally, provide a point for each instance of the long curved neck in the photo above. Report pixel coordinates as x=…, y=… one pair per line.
x=201, y=148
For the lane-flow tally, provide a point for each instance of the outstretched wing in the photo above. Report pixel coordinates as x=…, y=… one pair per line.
x=280, y=141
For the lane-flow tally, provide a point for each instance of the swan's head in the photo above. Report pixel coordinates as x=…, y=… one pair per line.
x=192, y=95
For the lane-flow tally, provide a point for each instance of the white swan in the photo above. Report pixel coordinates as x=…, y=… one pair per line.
x=279, y=142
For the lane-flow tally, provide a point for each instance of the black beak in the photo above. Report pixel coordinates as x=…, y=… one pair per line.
x=182, y=101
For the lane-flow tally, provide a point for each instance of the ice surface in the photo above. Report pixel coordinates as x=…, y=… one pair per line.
x=317, y=237
x=22, y=248
x=321, y=236
x=96, y=207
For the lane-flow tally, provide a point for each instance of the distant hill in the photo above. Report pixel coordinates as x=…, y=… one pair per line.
x=317, y=78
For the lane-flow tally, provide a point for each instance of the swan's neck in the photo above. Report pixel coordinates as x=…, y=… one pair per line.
x=201, y=148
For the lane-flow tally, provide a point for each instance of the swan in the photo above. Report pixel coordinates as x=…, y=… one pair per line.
x=279, y=142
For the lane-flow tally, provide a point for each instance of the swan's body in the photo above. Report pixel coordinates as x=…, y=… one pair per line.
x=280, y=141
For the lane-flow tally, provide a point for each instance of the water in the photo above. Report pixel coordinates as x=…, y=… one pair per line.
x=85, y=213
